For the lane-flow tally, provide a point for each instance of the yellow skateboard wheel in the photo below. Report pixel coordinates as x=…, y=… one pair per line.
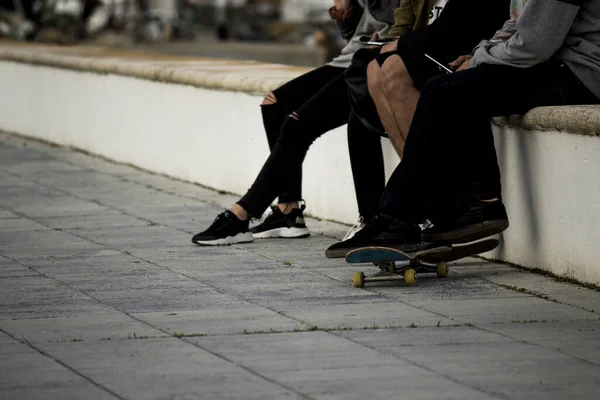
x=358, y=280
x=410, y=276
x=442, y=269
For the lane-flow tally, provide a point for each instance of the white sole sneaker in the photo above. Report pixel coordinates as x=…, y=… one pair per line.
x=246, y=237
x=283, y=233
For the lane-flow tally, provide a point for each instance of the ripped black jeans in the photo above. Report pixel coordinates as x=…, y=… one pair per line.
x=319, y=98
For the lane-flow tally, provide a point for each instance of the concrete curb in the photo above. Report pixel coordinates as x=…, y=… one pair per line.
x=215, y=74
x=582, y=120
x=249, y=77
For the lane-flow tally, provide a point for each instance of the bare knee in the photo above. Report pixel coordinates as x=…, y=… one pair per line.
x=374, y=77
x=269, y=99
x=394, y=76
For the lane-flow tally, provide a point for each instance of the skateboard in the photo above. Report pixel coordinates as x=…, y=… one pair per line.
x=429, y=261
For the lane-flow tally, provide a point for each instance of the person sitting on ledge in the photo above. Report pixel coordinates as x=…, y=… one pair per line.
x=294, y=116
x=547, y=54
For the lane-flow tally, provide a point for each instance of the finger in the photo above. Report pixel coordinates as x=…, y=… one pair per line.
x=375, y=37
x=463, y=66
x=458, y=62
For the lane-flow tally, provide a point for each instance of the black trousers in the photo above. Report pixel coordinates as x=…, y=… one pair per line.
x=320, y=99
x=450, y=154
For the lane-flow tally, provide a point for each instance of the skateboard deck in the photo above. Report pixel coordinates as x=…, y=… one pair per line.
x=377, y=254
x=386, y=257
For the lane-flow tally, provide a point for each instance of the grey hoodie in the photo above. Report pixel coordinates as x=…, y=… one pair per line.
x=377, y=16
x=566, y=29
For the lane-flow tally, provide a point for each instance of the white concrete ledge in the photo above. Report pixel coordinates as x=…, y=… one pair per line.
x=199, y=120
x=582, y=120
x=235, y=76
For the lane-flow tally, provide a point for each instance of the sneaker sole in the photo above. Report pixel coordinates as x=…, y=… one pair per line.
x=469, y=233
x=342, y=253
x=283, y=233
x=239, y=238
x=337, y=253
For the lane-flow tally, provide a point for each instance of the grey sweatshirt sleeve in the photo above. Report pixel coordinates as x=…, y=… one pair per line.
x=540, y=31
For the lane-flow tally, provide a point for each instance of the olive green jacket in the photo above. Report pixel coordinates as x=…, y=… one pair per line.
x=411, y=15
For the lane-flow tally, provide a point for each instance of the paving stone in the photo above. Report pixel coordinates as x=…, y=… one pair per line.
x=164, y=368
x=393, y=339
x=99, y=258
x=135, y=237
x=503, y=310
x=27, y=374
x=11, y=156
x=361, y=316
x=33, y=169
x=40, y=297
x=8, y=345
x=12, y=269
x=5, y=214
x=124, y=278
x=560, y=291
x=20, y=225
x=317, y=293
x=509, y=370
x=246, y=318
x=484, y=360
x=454, y=287
x=578, y=338
x=326, y=366
x=183, y=297
x=112, y=325
x=77, y=181
x=59, y=206
x=25, y=195
x=46, y=244
x=109, y=219
x=91, y=162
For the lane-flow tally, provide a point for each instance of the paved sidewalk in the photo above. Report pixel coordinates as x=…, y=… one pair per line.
x=104, y=297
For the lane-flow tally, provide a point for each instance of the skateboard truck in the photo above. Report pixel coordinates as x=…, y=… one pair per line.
x=388, y=271
x=429, y=261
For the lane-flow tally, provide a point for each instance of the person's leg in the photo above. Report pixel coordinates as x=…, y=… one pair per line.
x=395, y=97
x=366, y=160
x=325, y=110
x=450, y=156
x=450, y=169
x=281, y=102
x=394, y=81
x=358, y=91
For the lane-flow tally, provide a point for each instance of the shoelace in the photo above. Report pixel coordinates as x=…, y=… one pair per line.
x=220, y=222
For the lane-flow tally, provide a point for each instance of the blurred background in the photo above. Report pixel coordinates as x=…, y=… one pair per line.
x=295, y=32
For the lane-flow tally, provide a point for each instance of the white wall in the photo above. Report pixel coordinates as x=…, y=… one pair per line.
x=551, y=189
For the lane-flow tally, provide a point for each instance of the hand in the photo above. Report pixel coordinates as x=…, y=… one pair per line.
x=391, y=46
x=461, y=63
x=341, y=5
x=375, y=38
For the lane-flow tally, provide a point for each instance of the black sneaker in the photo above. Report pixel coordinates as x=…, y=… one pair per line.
x=481, y=219
x=226, y=229
x=382, y=231
x=280, y=225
